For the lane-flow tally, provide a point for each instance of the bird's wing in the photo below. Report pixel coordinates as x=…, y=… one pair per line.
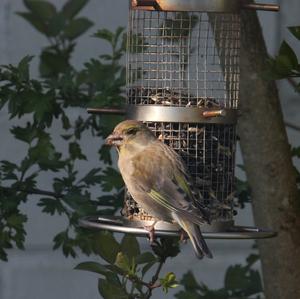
x=160, y=172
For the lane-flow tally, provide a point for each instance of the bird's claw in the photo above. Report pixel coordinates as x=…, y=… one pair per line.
x=183, y=236
x=151, y=230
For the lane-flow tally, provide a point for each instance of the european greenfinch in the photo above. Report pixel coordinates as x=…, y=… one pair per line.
x=157, y=179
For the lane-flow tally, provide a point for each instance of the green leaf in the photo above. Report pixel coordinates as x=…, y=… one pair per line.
x=105, y=34
x=92, y=177
x=23, y=68
x=56, y=24
x=92, y=267
x=51, y=206
x=77, y=27
x=16, y=220
x=295, y=30
x=26, y=134
x=122, y=261
x=52, y=64
x=37, y=23
x=282, y=66
x=111, y=179
x=75, y=151
x=130, y=246
x=167, y=247
x=117, y=34
x=8, y=167
x=296, y=152
x=255, y=283
x=115, y=269
x=189, y=295
x=41, y=9
x=189, y=281
x=3, y=255
x=252, y=259
x=73, y=7
x=106, y=200
x=235, y=278
x=45, y=155
x=75, y=199
x=105, y=154
x=243, y=192
x=107, y=247
x=44, y=109
x=169, y=281
x=59, y=239
x=62, y=240
x=287, y=52
x=147, y=267
x=146, y=257
x=110, y=290
x=65, y=121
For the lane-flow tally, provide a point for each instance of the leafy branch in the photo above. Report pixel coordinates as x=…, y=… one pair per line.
x=127, y=267
x=240, y=281
x=47, y=101
x=286, y=65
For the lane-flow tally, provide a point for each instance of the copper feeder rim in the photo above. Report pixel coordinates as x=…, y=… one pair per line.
x=158, y=113
x=229, y=230
x=202, y=5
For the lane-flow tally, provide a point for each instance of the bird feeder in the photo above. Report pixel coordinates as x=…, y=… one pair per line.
x=183, y=78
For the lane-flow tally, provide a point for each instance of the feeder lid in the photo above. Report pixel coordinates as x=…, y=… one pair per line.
x=200, y=5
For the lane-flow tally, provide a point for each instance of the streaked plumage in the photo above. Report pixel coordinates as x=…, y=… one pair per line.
x=156, y=177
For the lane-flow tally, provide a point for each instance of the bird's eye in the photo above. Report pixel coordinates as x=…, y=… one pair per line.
x=132, y=131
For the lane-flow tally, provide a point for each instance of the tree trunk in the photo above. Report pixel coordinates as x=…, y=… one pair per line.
x=269, y=168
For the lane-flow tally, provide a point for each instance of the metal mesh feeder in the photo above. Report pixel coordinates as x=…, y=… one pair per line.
x=183, y=82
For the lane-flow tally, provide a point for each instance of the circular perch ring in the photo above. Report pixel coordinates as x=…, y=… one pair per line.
x=218, y=230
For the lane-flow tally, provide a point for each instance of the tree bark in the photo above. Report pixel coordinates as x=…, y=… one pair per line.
x=269, y=167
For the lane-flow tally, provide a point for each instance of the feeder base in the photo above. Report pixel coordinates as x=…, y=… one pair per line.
x=217, y=230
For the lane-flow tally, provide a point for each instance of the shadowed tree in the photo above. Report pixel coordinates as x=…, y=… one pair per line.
x=269, y=168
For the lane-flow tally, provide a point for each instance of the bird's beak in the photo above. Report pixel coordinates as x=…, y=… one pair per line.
x=114, y=139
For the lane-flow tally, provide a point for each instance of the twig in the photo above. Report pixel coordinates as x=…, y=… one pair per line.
x=57, y=196
x=153, y=284
x=292, y=126
x=135, y=279
x=155, y=276
x=36, y=191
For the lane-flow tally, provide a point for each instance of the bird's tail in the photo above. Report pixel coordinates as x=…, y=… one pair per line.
x=194, y=233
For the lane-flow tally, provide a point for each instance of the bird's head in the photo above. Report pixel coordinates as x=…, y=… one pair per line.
x=130, y=132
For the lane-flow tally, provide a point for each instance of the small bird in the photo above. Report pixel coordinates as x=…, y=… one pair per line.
x=157, y=179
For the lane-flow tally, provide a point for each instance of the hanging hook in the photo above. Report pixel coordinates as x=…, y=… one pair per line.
x=146, y=3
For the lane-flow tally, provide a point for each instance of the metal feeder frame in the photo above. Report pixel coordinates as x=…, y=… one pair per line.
x=183, y=82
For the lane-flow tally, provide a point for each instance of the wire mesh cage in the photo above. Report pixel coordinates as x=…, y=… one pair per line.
x=183, y=82
x=189, y=59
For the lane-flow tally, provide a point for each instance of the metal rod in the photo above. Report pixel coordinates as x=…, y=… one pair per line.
x=261, y=6
x=214, y=113
x=156, y=113
x=106, y=111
